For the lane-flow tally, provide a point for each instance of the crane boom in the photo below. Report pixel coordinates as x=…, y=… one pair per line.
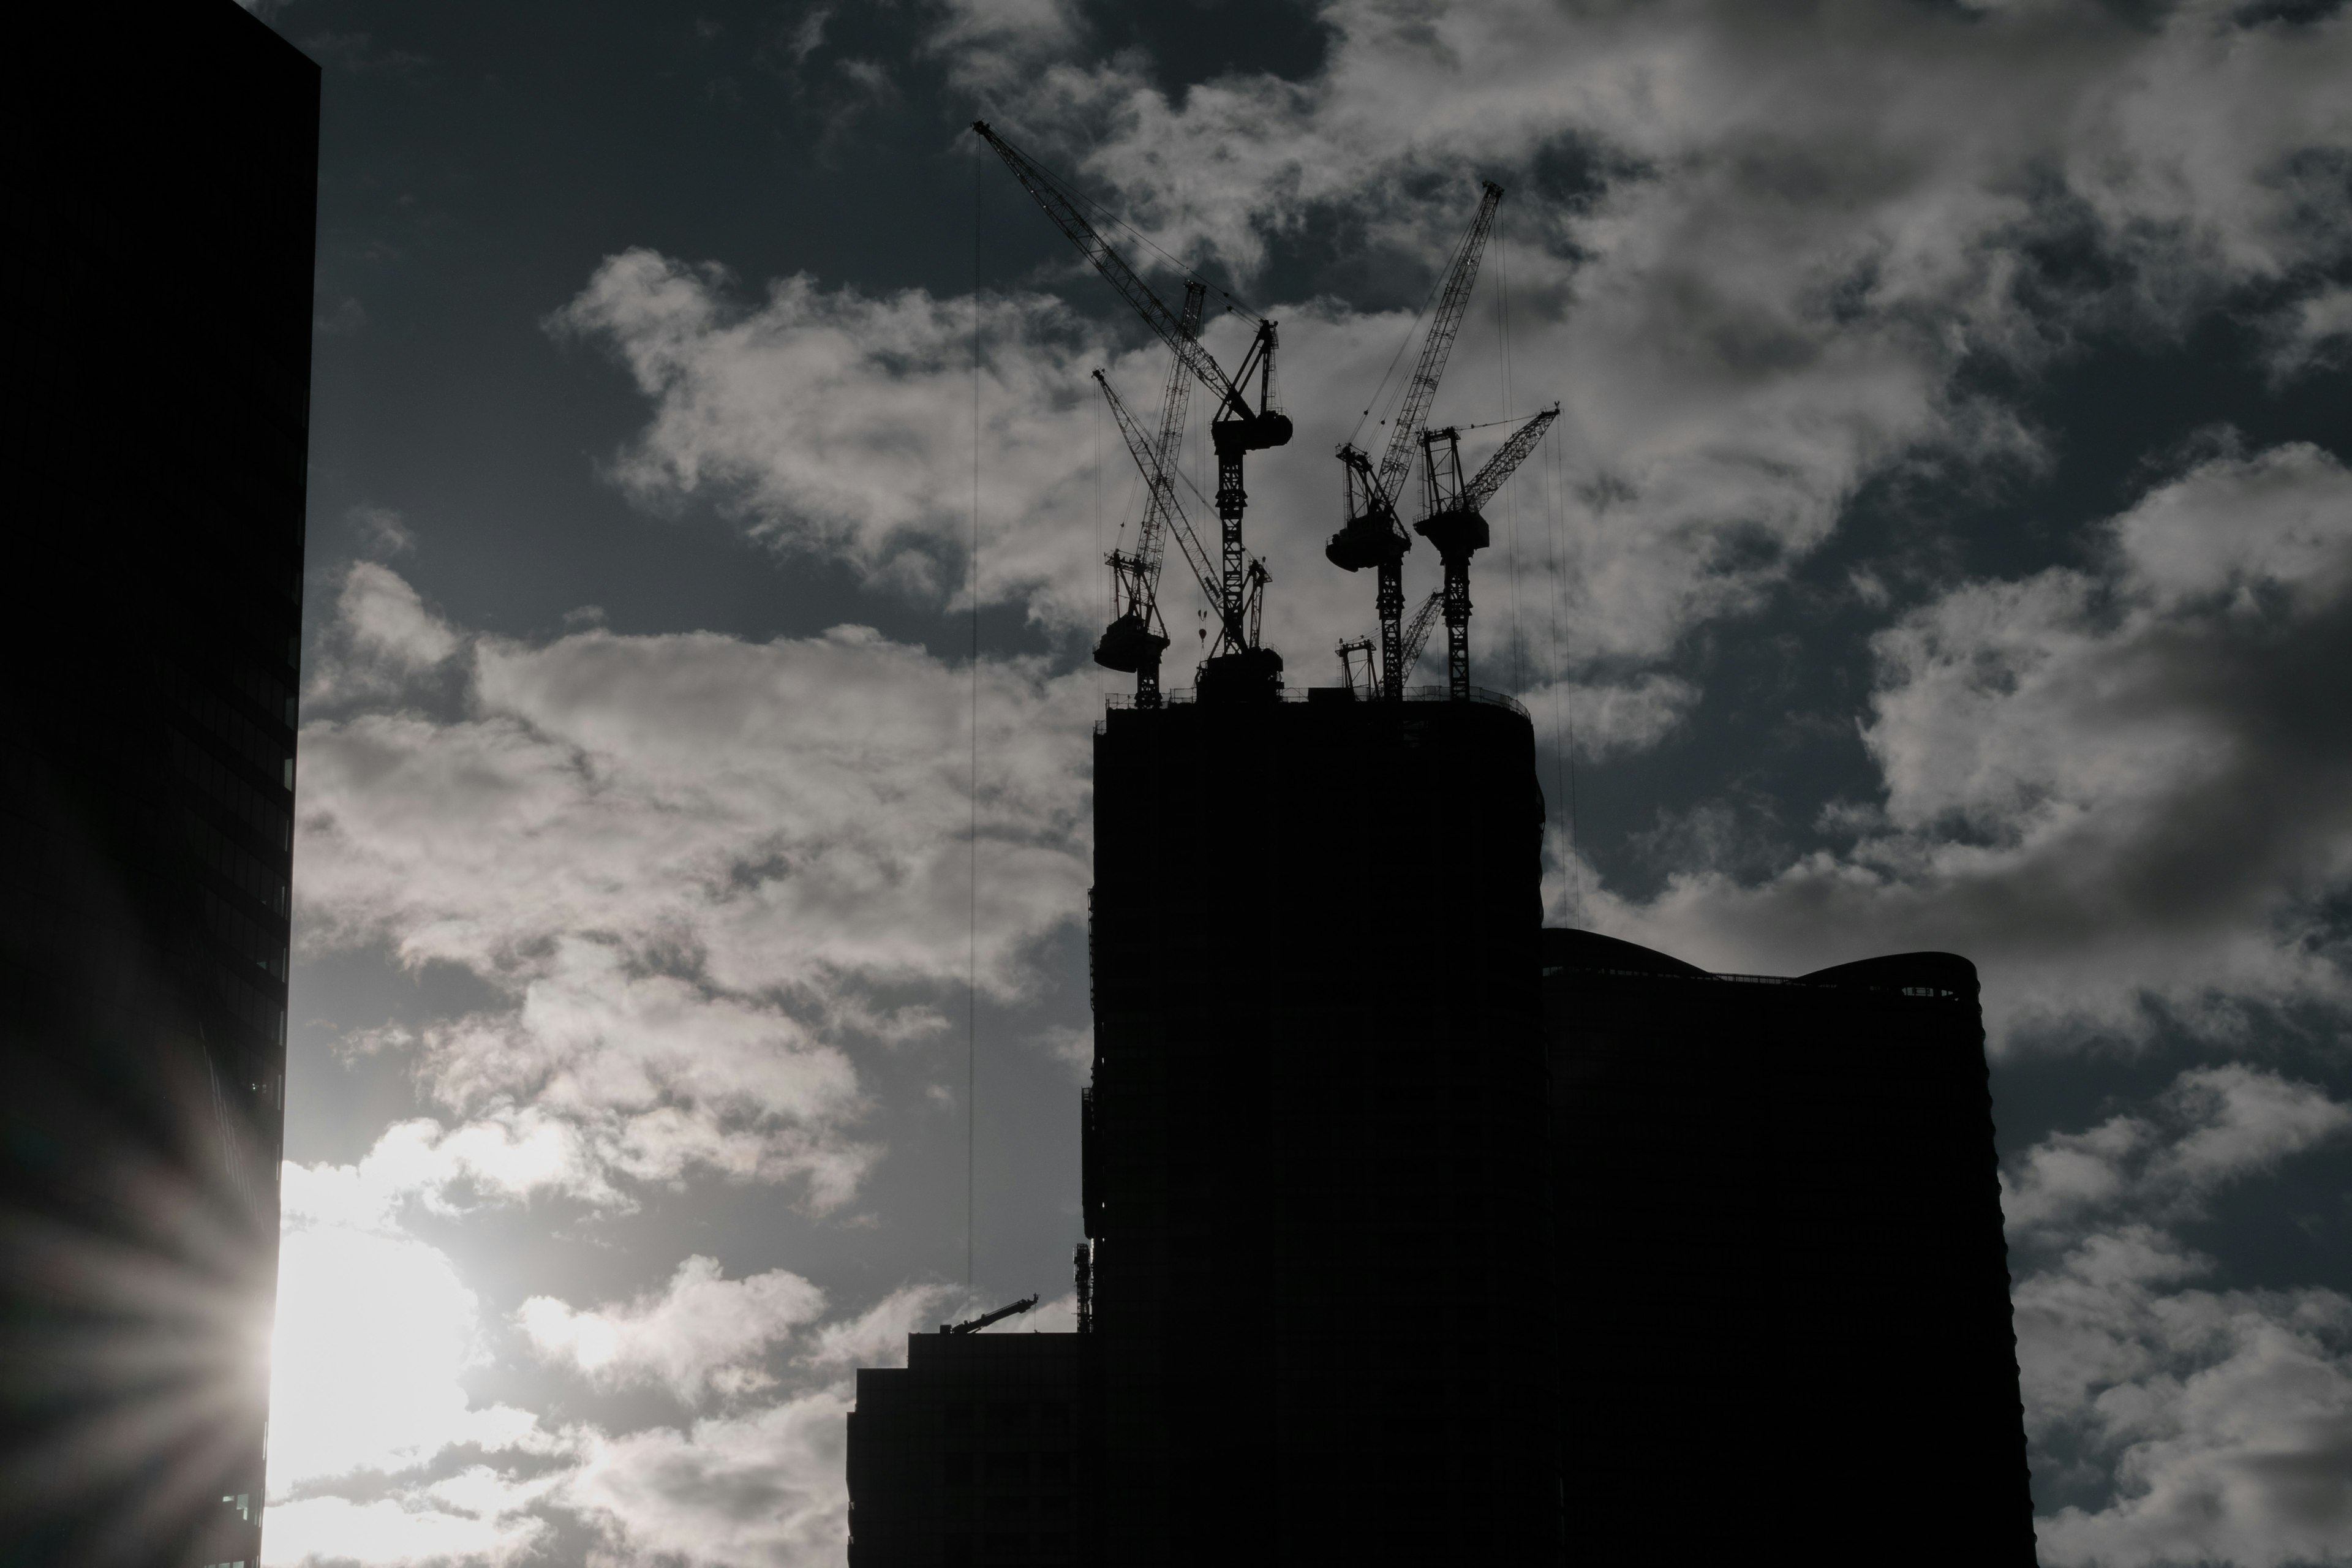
x=1154, y=310
x=1158, y=478
x=1149, y=541
x=1372, y=535
x=1443, y=328
x=1417, y=634
x=1507, y=457
x=973, y=1325
x=1247, y=671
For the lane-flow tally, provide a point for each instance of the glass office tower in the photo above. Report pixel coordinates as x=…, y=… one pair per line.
x=153, y=612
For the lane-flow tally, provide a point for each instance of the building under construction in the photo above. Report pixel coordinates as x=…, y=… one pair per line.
x=1418, y=1233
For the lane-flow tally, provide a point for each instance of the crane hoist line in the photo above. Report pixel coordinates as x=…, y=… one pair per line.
x=1239, y=426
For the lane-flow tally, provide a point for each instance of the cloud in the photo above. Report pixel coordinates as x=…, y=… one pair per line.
x=695, y=868
x=990, y=45
x=394, y=1533
x=762, y=1488
x=2106, y=785
x=2224, y=1417
x=1752, y=253
x=2211, y=1425
x=375, y=1334
x=2213, y=1126
x=384, y=530
x=700, y=1333
x=379, y=1455
x=838, y=423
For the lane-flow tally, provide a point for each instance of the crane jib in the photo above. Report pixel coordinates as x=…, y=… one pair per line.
x=1156, y=313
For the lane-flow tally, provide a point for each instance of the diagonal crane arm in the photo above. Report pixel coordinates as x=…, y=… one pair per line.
x=1418, y=633
x=1154, y=310
x=1507, y=457
x=1156, y=476
x=1150, y=537
x=1443, y=328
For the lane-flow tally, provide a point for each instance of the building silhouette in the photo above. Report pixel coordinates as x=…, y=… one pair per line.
x=983, y=1448
x=146, y=774
x=1778, y=1206
x=1419, y=1233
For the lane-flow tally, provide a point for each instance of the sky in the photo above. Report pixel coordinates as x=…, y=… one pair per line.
x=1944, y=542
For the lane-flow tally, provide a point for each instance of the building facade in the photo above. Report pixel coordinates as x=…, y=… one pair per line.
x=1314, y=1146
x=982, y=1449
x=1788, y=1331
x=153, y=618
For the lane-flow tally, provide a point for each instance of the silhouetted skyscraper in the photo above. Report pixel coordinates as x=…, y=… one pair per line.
x=1314, y=1139
x=163, y=322
x=1785, y=1319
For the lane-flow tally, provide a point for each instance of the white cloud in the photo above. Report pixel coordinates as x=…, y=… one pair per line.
x=394, y=1533
x=2215, y=1125
x=2104, y=786
x=702, y=1332
x=2224, y=1417
x=695, y=866
x=763, y=1487
x=2217, y=1424
x=380, y=641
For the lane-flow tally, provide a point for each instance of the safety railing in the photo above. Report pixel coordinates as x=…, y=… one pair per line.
x=1184, y=696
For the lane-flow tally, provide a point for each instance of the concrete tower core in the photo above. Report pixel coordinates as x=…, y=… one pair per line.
x=1314, y=1165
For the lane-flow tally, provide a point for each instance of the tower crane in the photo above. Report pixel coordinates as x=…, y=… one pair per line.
x=1372, y=536
x=1415, y=636
x=1237, y=632
x=1454, y=523
x=1237, y=428
x=1136, y=636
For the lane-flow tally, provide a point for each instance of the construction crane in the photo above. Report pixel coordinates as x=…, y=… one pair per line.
x=1415, y=636
x=1238, y=426
x=973, y=1325
x=1238, y=631
x=1372, y=536
x=1455, y=523
x=1136, y=637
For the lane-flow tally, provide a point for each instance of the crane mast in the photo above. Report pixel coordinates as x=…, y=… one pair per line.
x=1237, y=428
x=1415, y=636
x=1135, y=639
x=1457, y=525
x=1372, y=535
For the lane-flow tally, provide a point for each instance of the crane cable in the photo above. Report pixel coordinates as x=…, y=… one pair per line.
x=971, y=834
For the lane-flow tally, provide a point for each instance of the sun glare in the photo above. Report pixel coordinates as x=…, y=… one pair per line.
x=374, y=1332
